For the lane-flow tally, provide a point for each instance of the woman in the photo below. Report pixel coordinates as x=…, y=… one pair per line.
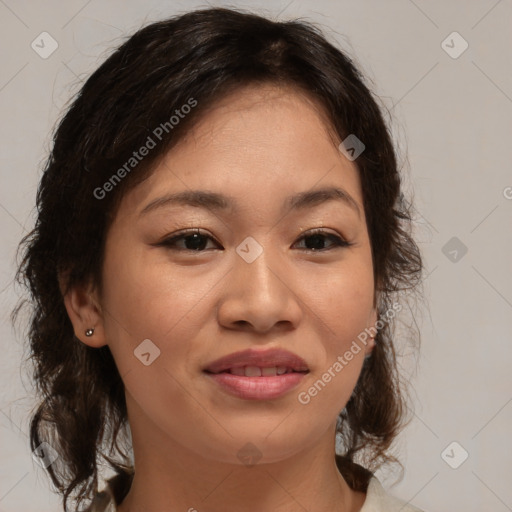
x=219, y=255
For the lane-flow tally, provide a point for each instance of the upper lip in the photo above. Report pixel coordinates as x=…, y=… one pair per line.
x=261, y=358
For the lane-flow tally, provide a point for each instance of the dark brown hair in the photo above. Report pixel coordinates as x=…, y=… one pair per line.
x=200, y=56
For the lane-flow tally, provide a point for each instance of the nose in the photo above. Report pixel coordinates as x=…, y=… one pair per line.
x=260, y=296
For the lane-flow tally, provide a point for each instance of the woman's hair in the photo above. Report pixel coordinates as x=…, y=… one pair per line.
x=149, y=93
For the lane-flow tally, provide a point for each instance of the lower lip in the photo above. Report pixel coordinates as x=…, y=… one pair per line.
x=257, y=388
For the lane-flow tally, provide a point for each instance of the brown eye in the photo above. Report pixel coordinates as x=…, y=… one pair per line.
x=317, y=239
x=194, y=240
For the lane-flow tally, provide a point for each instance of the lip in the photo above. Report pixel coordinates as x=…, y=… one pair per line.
x=262, y=387
x=262, y=358
x=257, y=388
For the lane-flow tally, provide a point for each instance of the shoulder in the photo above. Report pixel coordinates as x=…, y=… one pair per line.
x=103, y=502
x=114, y=492
x=379, y=500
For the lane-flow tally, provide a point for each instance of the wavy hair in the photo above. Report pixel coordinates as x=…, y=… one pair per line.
x=204, y=55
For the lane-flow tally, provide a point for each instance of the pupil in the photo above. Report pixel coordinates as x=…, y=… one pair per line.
x=198, y=242
x=319, y=239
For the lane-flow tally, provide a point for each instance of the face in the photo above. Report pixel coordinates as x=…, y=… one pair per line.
x=257, y=276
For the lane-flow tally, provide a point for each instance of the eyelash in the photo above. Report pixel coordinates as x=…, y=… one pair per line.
x=338, y=241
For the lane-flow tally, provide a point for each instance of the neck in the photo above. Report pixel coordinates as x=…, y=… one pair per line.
x=169, y=476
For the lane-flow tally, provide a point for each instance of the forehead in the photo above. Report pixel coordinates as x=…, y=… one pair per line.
x=262, y=109
x=261, y=141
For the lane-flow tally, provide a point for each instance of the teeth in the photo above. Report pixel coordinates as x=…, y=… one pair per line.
x=252, y=371
x=256, y=371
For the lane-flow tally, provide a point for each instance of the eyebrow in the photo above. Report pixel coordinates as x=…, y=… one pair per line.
x=219, y=202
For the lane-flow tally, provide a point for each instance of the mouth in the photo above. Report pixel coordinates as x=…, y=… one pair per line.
x=258, y=375
x=259, y=371
x=258, y=363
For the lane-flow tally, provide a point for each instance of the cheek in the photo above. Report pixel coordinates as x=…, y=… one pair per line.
x=142, y=282
x=344, y=308
x=327, y=390
x=147, y=300
x=156, y=314
x=344, y=304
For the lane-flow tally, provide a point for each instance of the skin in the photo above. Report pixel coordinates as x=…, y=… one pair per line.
x=258, y=145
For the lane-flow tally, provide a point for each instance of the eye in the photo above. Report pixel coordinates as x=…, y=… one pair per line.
x=193, y=238
x=318, y=236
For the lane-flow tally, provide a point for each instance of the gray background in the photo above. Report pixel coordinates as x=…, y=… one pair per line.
x=452, y=123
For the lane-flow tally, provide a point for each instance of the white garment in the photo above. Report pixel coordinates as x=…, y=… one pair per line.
x=377, y=500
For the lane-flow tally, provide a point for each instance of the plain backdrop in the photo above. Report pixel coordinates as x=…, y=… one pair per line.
x=452, y=121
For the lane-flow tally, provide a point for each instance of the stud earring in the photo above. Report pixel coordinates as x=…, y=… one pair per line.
x=89, y=332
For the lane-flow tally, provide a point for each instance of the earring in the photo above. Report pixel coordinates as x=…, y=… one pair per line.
x=89, y=332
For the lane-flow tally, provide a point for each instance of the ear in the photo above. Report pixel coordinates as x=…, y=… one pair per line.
x=84, y=311
x=372, y=320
